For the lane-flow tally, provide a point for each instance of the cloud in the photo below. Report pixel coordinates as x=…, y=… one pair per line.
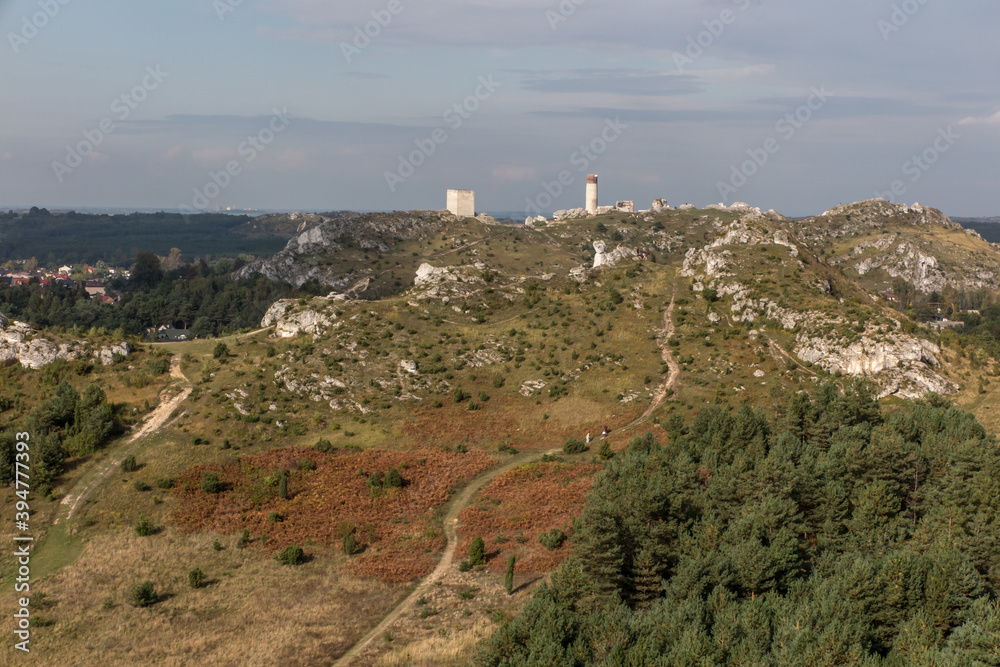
x=212, y=156
x=293, y=158
x=513, y=173
x=170, y=153
x=987, y=120
x=613, y=81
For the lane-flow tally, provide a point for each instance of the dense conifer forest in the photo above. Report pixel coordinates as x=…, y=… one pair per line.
x=831, y=533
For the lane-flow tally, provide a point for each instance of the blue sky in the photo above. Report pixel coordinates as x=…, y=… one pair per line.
x=869, y=86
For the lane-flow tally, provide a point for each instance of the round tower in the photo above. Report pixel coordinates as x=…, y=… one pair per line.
x=592, y=193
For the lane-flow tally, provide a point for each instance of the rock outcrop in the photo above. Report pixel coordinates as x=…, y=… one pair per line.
x=289, y=318
x=379, y=232
x=19, y=344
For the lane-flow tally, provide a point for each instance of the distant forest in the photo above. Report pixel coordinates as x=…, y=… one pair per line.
x=828, y=533
x=73, y=238
x=202, y=297
x=988, y=228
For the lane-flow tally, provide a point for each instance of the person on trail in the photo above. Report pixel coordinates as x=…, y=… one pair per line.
x=604, y=433
x=588, y=438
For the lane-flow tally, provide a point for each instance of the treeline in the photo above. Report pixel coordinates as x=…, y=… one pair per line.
x=71, y=238
x=201, y=297
x=66, y=424
x=832, y=535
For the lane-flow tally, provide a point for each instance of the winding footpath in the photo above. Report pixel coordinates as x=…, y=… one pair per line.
x=459, y=503
x=463, y=500
x=153, y=422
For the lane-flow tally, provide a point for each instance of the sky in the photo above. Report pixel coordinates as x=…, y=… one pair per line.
x=320, y=105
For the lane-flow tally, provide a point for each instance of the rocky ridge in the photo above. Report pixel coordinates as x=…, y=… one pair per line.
x=20, y=344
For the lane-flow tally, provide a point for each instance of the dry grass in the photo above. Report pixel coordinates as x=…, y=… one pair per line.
x=252, y=612
x=453, y=649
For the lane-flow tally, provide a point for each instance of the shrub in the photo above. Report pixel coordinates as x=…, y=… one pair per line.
x=350, y=545
x=459, y=395
x=196, y=578
x=306, y=464
x=143, y=527
x=291, y=555
x=275, y=517
x=393, y=479
x=477, y=552
x=323, y=445
x=605, y=452
x=221, y=351
x=468, y=593
x=140, y=486
x=508, y=582
x=483, y=396
x=460, y=448
x=129, y=464
x=464, y=566
x=574, y=446
x=217, y=545
x=283, y=486
x=552, y=539
x=143, y=595
x=165, y=483
x=210, y=483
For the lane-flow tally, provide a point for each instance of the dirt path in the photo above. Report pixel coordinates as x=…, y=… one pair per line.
x=459, y=503
x=154, y=421
x=664, y=389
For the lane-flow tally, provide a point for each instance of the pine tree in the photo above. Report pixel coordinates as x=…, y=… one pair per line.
x=600, y=551
x=283, y=486
x=646, y=584
x=477, y=552
x=508, y=581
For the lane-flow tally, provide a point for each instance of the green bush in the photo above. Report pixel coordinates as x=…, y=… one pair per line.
x=508, y=582
x=574, y=446
x=221, y=351
x=291, y=555
x=605, y=451
x=275, y=517
x=164, y=483
x=464, y=566
x=477, y=552
x=217, y=545
x=143, y=527
x=323, y=445
x=140, y=486
x=350, y=545
x=553, y=539
x=129, y=464
x=393, y=479
x=210, y=483
x=306, y=464
x=196, y=578
x=143, y=595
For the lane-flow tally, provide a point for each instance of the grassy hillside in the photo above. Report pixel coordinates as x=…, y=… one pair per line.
x=505, y=350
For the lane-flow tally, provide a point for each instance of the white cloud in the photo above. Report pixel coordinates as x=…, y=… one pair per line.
x=293, y=158
x=170, y=153
x=212, y=156
x=986, y=120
